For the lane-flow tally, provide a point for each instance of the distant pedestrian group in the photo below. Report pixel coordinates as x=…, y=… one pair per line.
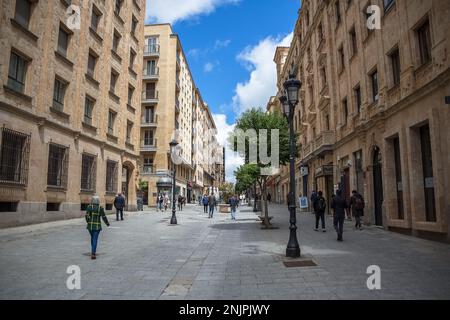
x=340, y=206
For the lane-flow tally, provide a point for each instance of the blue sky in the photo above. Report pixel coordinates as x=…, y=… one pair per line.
x=230, y=46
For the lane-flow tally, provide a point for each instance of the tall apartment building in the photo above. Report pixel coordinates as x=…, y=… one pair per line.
x=372, y=115
x=69, y=107
x=172, y=107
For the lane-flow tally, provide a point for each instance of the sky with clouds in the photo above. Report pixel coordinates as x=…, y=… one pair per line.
x=230, y=45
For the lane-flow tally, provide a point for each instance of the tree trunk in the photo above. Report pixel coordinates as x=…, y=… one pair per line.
x=266, y=220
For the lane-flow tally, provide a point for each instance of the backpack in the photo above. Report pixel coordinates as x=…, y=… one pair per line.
x=321, y=205
x=359, y=203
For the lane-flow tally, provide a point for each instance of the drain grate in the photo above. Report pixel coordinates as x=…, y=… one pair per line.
x=299, y=264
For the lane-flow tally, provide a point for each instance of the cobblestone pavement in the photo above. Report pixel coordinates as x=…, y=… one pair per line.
x=200, y=258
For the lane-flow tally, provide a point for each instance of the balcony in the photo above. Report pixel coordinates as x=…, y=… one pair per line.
x=306, y=150
x=177, y=107
x=151, y=50
x=324, y=143
x=151, y=122
x=149, y=146
x=150, y=74
x=150, y=97
x=177, y=85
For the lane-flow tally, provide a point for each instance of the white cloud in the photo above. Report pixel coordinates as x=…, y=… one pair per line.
x=263, y=75
x=171, y=11
x=232, y=160
x=208, y=67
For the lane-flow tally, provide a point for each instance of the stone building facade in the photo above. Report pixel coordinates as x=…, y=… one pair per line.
x=372, y=115
x=172, y=107
x=69, y=112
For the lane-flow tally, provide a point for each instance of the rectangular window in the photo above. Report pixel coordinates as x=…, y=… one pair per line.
x=357, y=92
x=353, y=41
x=116, y=41
x=388, y=4
x=149, y=115
x=88, y=172
x=148, y=138
x=95, y=18
x=17, y=72
x=132, y=58
x=111, y=120
x=63, y=42
x=117, y=6
x=113, y=81
x=111, y=176
x=53, y=206
x=23, y=12
x=344, y=111
x=134, y=24
x=338, y=12
x=92, y=61
x=59, y=92
x=129, y=132
x=88, y=108
x=424, y=39
x=58, y=160
x=130, y=95
x=14, y=153
x=398, y=176
x=152, y=45
x=374, y=82
x=427, y=167
x=395, y=64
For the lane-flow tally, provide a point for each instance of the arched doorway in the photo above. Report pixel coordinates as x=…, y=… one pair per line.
x=127, y=186
x=378, y=186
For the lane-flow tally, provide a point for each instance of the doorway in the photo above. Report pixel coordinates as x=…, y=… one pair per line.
x=378, y=186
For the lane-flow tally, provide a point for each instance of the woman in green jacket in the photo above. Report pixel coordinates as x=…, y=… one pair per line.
x=93, y=214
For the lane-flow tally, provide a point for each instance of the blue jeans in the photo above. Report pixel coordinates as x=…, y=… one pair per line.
x=94, y=240
x=211, y=211
x=233, y=213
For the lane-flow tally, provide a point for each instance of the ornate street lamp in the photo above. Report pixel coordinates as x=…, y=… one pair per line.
x=173, y=144
x=288, y=102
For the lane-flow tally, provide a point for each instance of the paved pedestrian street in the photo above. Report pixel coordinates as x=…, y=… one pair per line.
x=145, y=257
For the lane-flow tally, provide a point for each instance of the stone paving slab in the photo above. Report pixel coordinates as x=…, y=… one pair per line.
x=144, y=257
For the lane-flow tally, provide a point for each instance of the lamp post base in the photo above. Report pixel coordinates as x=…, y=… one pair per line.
x=173, y=220
x=293, y=252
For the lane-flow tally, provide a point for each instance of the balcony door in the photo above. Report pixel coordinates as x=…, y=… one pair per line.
x=149, y=115
x=150, y=68
x=148, y=138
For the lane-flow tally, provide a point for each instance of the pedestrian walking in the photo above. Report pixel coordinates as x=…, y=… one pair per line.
x=233, y=205
x=140, y=203
x=180, y=202
x=313, y=200
x=269, y=197
x=339, y=205
x=119, y=204
x=93, y=214
x=320, y=207
x=159, y=202
x=357, y=206
x=212, y=204
x=166, y=202
x=205, y=201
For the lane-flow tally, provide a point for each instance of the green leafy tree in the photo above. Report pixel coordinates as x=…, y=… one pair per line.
x=227, y=191
x=258, y=120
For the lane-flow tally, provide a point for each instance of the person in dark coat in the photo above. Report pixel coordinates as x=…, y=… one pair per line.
x=119, y=204
x=205, y=203
x=320, y=207
x=339, y=205
x=357, y=205
x=212, y=204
